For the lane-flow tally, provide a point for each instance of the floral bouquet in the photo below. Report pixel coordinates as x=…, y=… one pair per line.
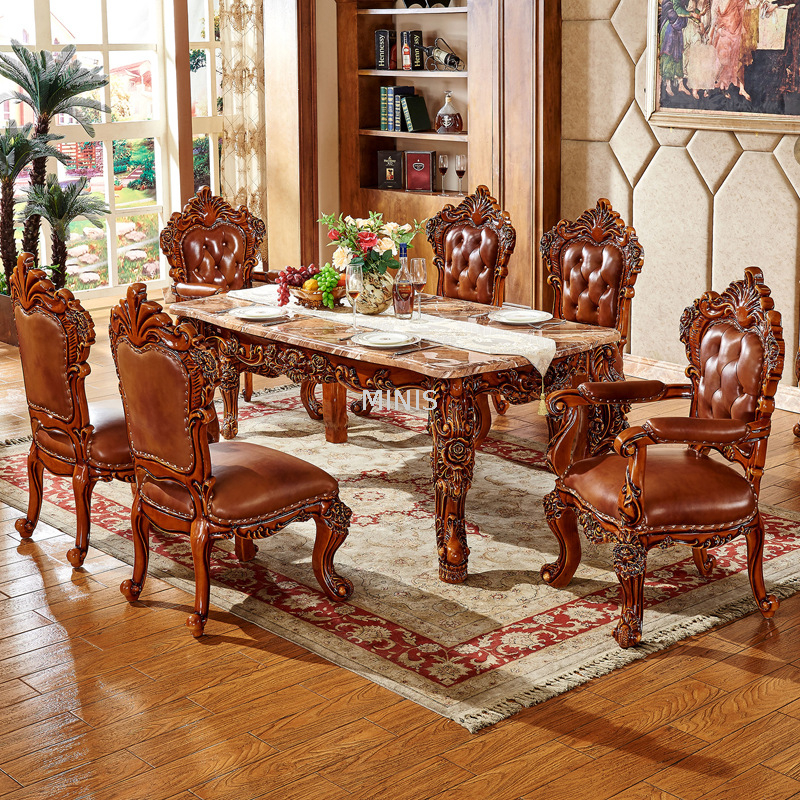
x=370, y=242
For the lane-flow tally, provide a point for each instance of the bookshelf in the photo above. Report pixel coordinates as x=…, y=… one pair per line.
x=475, y=95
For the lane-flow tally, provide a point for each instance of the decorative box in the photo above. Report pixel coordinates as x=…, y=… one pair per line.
x=420, y=166
x=390, y=169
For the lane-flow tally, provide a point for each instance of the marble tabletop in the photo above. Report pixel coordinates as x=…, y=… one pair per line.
x=439, y=361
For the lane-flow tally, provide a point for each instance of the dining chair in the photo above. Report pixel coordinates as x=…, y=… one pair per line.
x=210, y=491
x=638, y=495
x=211, y=248
x=71, y=437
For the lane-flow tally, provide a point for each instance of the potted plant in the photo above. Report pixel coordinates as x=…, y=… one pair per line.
x=59, y=206
x=372, y=243
x=51, y=84
x=17, y=151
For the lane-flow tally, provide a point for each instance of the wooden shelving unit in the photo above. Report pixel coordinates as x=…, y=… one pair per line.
x=475, y=94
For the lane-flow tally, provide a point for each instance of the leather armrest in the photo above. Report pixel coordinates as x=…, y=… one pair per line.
x=192, y=291
x=695, y=430
x=630, y=391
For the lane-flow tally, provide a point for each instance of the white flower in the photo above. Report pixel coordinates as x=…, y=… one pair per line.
x=363, y=224
x=387, y=243
x=349, y=220
x=405, y=228
x=389, y=228
x=341, y=258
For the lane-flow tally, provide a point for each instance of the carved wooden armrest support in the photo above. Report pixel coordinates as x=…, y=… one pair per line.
x=694, y=430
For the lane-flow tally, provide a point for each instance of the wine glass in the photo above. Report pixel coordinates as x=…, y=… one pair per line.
x=419, y=277
x=461, y=168
x=443, y=164
x=354, y=282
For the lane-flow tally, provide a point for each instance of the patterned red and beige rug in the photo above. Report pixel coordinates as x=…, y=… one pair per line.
x=475, y=653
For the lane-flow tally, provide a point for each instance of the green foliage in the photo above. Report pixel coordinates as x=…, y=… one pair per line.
x=200, y=162
x=142, y=155
x=122, y=156
x=53, y=83
x=18, y=149
x=3, y=284
x=197, y=60
x=60, y=206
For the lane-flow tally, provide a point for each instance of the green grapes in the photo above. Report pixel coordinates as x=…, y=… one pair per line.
x=327, y=280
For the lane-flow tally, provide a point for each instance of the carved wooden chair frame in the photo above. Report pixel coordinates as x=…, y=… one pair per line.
x=599, y=225
x=479, y=210
x=145, y=327
x=747, y=305
x=33, y=293
x=206, y=210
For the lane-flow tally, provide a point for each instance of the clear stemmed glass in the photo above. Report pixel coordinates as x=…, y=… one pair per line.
x=443, y=164
x=354, y=277
x=461, y=168
x=419, y=277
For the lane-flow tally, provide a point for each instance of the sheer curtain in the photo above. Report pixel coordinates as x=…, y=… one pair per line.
x=244, y=144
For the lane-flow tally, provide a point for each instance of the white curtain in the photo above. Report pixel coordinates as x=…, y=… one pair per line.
x=244, y=143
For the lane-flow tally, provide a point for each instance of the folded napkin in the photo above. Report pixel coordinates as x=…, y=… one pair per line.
x=539, y=350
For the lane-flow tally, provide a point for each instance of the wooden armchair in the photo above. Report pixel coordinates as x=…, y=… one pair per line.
x=638, y=495
x=71, y=437
x=211, y=248
x=208, y=491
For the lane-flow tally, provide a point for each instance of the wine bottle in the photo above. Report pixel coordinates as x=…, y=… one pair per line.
x=403, y=289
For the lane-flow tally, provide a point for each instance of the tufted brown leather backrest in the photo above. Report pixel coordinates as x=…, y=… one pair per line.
x=472, y=244
x=55, y=335
x=215, y=255
x=470, y=263
x=593, y=264
x=210, y=246
x=731, y=373
x=734, y=343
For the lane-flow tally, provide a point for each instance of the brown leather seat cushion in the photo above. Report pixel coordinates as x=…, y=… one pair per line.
x=108, y=446
x=680, y=487
x=251, y=482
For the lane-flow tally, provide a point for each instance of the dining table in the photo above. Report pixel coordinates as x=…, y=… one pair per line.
x=312, y=349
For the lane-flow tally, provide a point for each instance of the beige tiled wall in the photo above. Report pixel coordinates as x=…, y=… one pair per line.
x=705, y=204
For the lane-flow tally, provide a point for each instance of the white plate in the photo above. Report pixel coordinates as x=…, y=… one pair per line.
x=519, y=316
x=257, y=312
x=384, y=340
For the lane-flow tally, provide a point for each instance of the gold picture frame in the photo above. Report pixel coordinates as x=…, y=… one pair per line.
x=732, y=65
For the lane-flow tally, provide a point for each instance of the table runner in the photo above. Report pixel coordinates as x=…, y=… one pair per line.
x=538, y=350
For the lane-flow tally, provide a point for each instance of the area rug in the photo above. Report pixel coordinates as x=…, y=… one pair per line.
x=477, y=652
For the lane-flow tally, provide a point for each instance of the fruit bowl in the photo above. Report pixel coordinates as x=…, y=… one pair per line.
x=314, y=299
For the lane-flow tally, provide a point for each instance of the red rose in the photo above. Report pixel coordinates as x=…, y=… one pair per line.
x=367, y=240
x=334, y=235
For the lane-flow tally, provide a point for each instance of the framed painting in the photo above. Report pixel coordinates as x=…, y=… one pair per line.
x=724, y=64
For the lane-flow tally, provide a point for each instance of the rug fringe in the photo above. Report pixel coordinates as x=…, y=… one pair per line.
x=602, y=665
x=14, y=441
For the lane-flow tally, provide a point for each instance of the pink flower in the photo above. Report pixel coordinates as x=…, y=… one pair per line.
x=334, y=235
x=367, y=240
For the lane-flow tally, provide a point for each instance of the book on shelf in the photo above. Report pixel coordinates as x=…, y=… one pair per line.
x=393, y=95
x=417, y=53
x=415, y=112
x=390, y=169
x=420, y=170
x=385, y=49
x=384, y=108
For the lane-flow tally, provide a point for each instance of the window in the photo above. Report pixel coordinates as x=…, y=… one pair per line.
x=127, y=161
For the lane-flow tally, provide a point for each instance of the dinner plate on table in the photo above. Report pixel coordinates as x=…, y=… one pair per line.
x=384, y=340
x=257, y=313
x=519, y=316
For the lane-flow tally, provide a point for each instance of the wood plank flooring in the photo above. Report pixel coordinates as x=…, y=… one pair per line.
x=108, y=701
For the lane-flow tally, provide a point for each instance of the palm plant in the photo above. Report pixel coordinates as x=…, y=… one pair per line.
x=59, y=207
x=17, y=150
x=50, y=84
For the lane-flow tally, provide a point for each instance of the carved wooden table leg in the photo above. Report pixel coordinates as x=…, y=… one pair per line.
x=334, y=412
x=454, y=424
x=309, y=400
x=229, y=389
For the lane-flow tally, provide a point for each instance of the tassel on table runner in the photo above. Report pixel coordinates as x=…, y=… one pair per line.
x=542, y=412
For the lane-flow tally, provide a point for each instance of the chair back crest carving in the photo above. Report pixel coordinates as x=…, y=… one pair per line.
x=593, y=263
x=472, y=244
x=167, y=378
x=734, y=343
x=211, y=243
x=56, y=334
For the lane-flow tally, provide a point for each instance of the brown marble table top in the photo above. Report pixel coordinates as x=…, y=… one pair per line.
x=441, y=361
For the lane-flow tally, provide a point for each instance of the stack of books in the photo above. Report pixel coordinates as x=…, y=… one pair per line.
x=403, y=110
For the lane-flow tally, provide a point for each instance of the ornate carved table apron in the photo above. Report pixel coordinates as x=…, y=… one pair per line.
x=306, y=347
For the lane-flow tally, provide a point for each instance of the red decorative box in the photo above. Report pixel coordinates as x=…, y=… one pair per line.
x=420, y=166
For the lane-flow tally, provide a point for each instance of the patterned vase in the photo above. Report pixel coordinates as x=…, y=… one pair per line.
x=377, y=293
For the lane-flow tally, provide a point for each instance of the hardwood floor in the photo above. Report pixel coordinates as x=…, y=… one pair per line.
x=115, y=702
